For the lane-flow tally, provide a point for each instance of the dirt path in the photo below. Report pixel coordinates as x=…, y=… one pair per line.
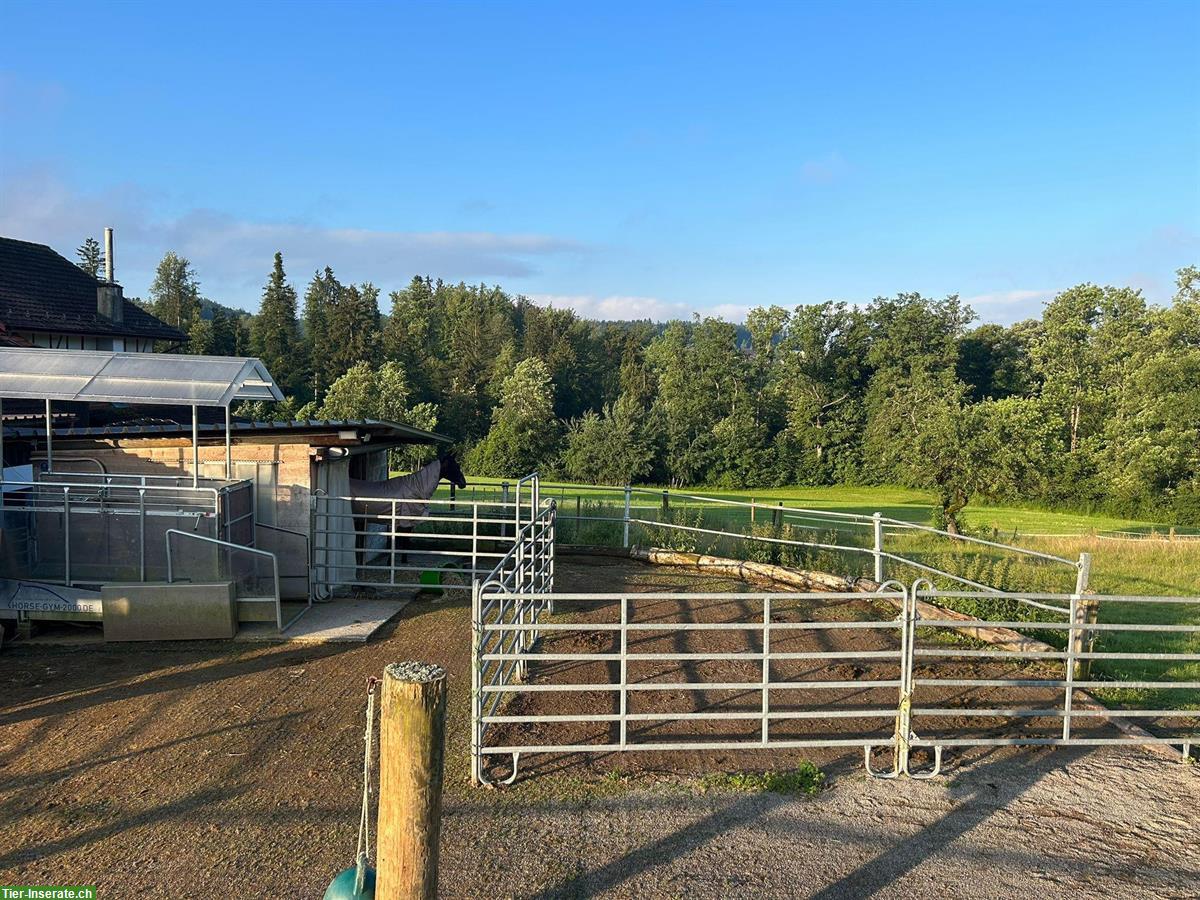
x=180, y=770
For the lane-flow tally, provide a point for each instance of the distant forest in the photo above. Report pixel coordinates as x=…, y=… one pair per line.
x=1095, y=405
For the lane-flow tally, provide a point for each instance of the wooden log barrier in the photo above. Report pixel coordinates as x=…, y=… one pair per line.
x=412, y=732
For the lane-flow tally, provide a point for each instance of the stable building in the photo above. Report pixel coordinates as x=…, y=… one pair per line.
x=158, y=503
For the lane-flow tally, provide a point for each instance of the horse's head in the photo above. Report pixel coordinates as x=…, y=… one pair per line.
x=451, y=471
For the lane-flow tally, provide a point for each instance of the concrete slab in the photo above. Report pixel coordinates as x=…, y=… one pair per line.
x=157, y=611
x=337, y=622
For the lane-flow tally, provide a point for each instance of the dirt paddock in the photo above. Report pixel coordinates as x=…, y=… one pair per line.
x=180, y=770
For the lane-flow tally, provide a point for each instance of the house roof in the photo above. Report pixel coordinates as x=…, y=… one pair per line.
x=43, y=291
x=378, y=429
x=97, y=376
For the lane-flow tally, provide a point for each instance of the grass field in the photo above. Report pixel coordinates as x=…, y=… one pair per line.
x=905, y=504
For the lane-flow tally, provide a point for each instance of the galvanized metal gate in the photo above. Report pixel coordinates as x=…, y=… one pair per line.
x=376, y=542
x=1054, y=706
x=520, y=653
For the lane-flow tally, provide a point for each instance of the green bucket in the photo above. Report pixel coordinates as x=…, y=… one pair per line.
x=431, y=580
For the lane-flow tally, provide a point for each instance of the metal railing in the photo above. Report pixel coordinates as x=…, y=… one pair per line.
x=378, y=542
x=92, y=528
x=875, y=538
x=293, y=552
x=645, y=650
x=507, y=607
x=655, y=647
x=1044, y=705
x=221, y=567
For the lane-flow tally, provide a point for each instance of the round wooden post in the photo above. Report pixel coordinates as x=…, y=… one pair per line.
x=412, y=731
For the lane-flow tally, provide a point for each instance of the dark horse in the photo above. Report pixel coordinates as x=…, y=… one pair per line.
x=408, y=492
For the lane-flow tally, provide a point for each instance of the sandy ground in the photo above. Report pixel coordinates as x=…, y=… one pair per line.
x=187, y=769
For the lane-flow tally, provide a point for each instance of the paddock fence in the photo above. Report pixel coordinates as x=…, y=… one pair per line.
x=1082, y=677
x=876, y=547
x=885, y=670
x=377, y=542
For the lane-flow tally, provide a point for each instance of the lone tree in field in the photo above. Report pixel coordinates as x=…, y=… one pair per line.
x=962, y=450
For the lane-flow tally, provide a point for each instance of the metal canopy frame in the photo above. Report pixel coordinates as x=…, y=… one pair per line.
x=95, y=376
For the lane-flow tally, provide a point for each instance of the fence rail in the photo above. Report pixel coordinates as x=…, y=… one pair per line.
x=877, y=546
x=90, y=528
x=223, y=564
x=380, y=541
x=938, y=698
x=568, y=683
x=511, y=601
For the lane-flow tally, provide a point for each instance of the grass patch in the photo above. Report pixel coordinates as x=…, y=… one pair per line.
x=906, y=504
x=805, y=779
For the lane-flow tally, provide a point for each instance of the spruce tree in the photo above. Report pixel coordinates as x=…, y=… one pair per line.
x=275, y=333
x=323, y=294
x=224, y=333
x=352, y=328
x=91, y=257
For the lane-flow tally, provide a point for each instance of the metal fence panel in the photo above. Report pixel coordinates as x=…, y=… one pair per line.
x=952, y=689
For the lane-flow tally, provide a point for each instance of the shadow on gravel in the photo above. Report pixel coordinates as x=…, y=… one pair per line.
x=682, y=842
x=184, y=668
x=979, y=791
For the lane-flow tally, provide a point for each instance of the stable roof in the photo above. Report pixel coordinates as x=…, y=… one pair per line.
x=379, y=430
x=105, y=377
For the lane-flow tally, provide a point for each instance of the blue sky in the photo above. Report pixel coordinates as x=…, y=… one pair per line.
x=625, y=159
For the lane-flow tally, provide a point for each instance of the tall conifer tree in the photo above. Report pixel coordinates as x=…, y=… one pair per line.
x=275, y=333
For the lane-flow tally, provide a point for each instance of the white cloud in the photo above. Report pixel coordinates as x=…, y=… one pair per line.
x=1006, y=307
x=623, y=308
x=233, y=256
x=1009, y=298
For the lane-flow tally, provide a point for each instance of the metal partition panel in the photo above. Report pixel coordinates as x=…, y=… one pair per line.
x=1035, y=680
x=781, y=533
x=93, y=529
x=253, y=572
x=560, y=673
x=378, y=542
x=684, y=672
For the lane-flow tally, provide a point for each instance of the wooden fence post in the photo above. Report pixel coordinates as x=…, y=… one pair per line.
x=412, y=730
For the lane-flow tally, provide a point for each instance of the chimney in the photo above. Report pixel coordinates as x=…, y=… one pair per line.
x=108, y=255
x=110, y=298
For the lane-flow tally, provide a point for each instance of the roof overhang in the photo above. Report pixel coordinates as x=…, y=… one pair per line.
x=91, y=376
x=372, y=433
